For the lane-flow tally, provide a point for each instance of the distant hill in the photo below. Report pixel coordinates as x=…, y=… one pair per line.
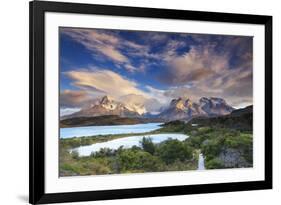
x=240, y=119
x=242, y=111
x=103, y=120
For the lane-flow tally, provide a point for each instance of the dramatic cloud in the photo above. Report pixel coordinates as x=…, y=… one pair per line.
x=158, y=94
x=212, y=69
x=152, y=68
x=73, y=98
x=104, y=81
x=97, y=83
x=198, y=64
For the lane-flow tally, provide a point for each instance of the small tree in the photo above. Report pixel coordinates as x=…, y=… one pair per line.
x=147, y=145
x=75, y=154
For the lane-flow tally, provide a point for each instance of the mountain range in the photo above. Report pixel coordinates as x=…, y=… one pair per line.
x=178, y=109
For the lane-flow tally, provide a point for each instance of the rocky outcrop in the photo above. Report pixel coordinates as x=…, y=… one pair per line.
x=233, y=158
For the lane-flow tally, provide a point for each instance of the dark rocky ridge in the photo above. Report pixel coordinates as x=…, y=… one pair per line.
x=240, y=119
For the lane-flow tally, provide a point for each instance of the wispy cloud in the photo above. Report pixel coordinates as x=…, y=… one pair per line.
x=109, y=44
x=68, y=111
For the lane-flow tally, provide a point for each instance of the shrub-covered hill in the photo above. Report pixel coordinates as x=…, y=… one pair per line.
x=103, y=120
x=240, y=119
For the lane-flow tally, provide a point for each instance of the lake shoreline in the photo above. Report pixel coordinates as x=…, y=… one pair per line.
x=127, y=142
x=105, y=138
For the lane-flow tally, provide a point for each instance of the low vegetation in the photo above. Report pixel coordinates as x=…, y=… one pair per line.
x=225, y=142
x=170, y=155
x=222, y=147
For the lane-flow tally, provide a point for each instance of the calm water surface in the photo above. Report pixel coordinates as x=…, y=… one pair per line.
x=106, y=130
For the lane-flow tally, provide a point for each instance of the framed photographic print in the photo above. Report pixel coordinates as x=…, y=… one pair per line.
x=140, y=102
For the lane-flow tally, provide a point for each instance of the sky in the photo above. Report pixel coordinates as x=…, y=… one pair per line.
x=152, y=68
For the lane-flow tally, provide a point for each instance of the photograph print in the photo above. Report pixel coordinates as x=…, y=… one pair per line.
x=145, y=101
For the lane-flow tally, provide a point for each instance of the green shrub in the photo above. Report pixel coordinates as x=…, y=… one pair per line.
x=171, y=150
x=214, y=163
x=137, y=160
x=103, y=152
x=211, y=149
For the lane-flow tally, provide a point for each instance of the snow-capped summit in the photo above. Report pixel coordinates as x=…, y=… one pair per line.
x=105, y=106
x=108, y=103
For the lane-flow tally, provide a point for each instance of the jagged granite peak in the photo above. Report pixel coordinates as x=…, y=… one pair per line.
x=212, y=100
x=181, y=103
x=105, y=99
x=185, y=109
x=109, y=103
x=215, y=106
x=105, y=106
x=177, y=103
x=188, y=102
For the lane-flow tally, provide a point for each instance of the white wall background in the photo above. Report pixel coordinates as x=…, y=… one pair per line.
x=14, y=100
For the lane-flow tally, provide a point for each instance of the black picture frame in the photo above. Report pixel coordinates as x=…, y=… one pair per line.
x=37, y=10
